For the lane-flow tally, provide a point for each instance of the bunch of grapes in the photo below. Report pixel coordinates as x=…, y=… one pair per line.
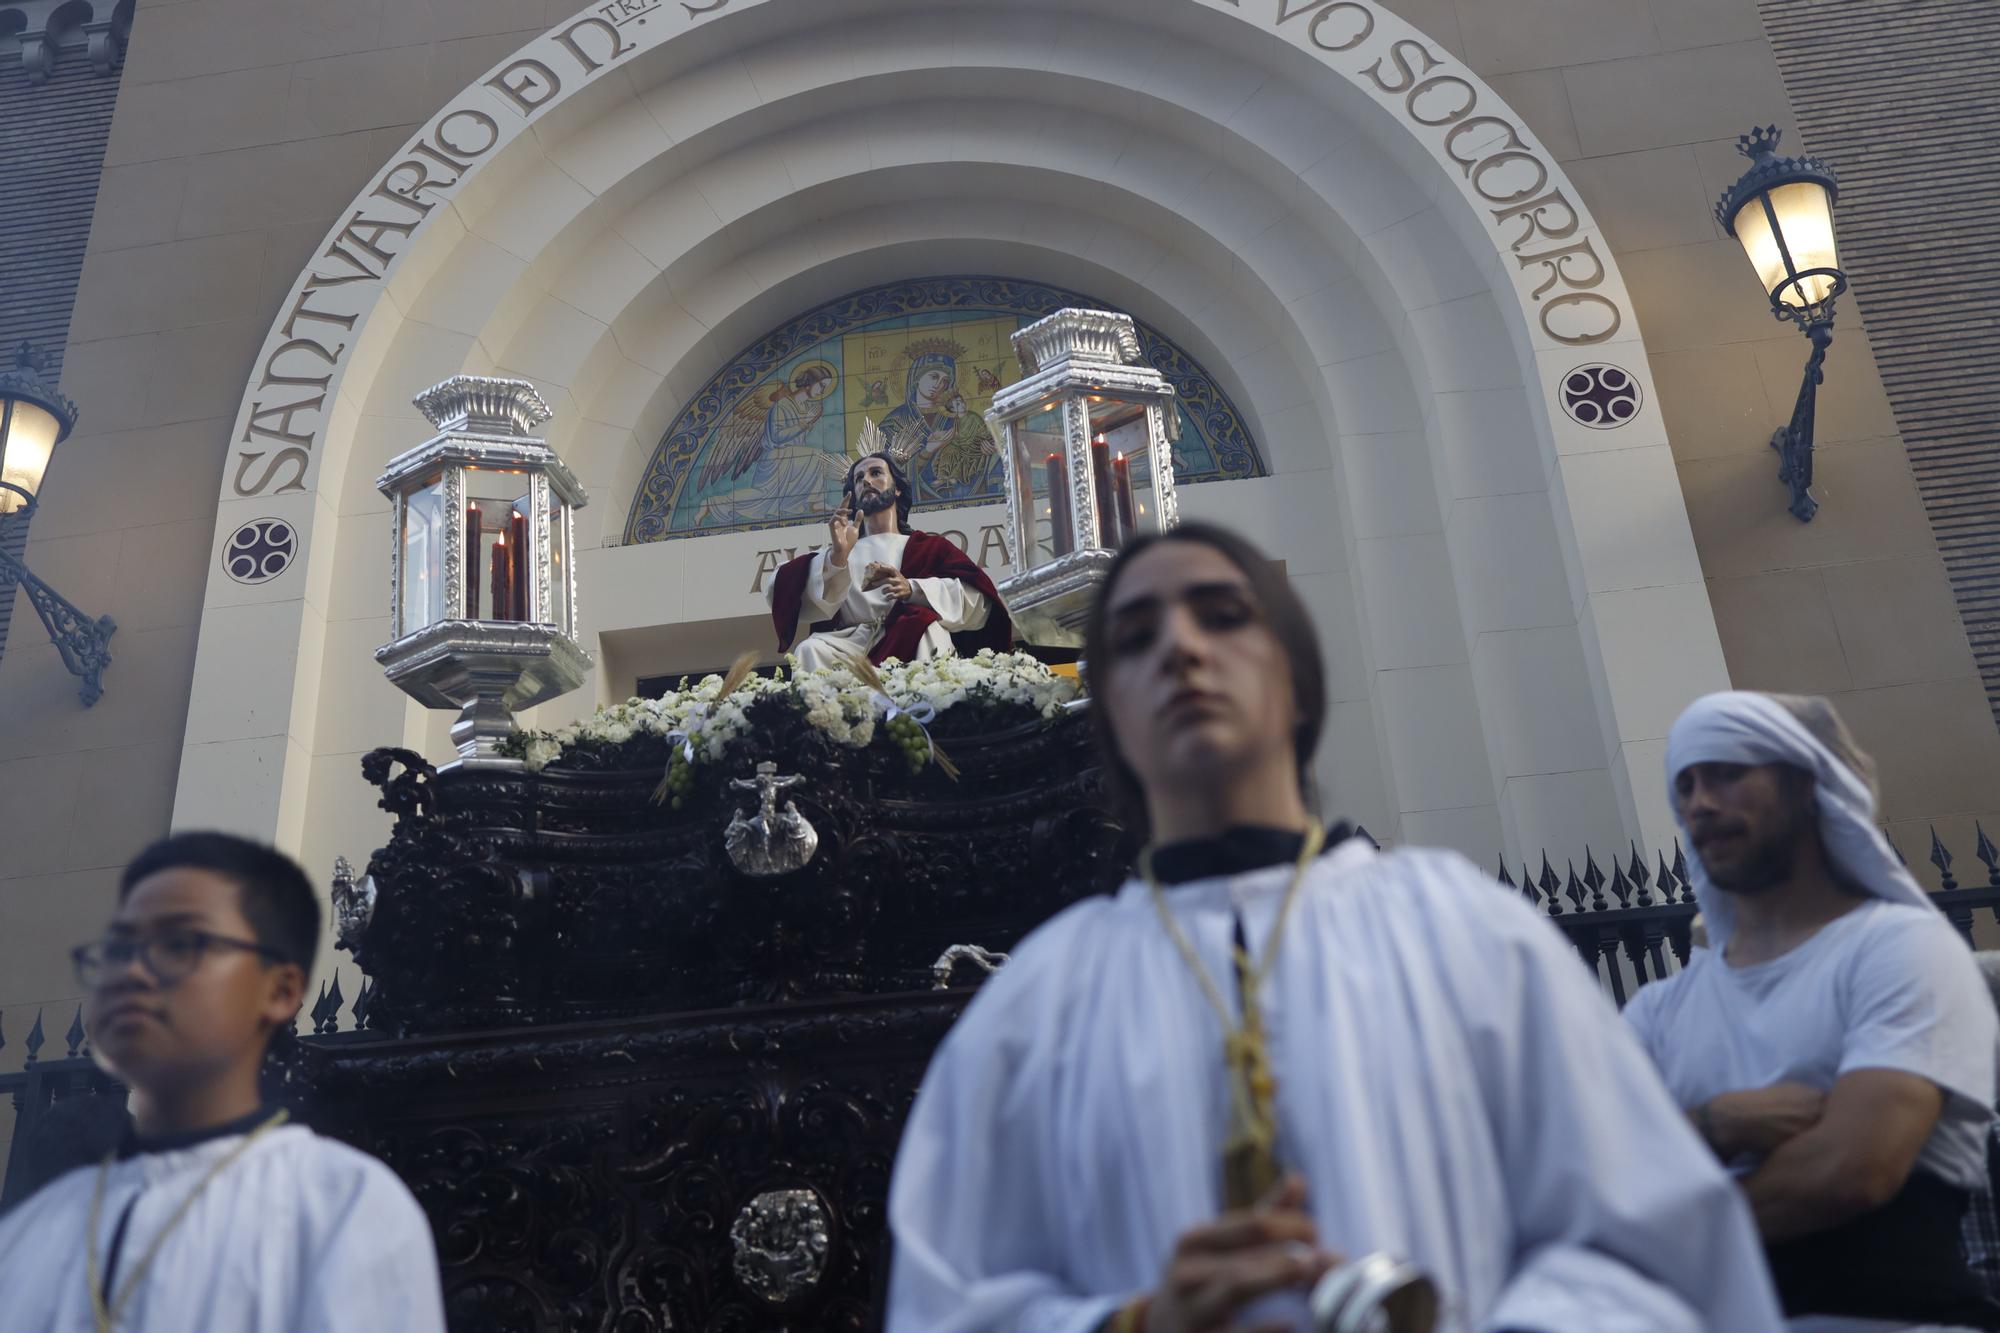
x=680, y=778
x=909, y=736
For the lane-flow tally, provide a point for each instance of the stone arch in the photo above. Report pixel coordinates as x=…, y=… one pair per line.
x=1386, y=269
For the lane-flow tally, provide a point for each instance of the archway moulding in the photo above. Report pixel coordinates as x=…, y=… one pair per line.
x=1569, y=320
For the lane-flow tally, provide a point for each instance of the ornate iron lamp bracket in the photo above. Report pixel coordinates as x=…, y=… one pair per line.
x=83, y=642
x=1794, y=439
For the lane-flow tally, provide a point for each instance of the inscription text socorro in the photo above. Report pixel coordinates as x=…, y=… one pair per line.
x=283, y=422
x=1538, y=223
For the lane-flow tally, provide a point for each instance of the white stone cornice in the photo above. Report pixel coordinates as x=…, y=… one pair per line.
x=43, y=30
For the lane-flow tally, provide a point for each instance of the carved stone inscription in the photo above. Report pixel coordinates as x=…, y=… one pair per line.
x=992, y=554
x=1539, y=224
x=284, y=419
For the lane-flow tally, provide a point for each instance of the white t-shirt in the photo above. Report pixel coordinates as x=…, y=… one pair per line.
x=1887, y=986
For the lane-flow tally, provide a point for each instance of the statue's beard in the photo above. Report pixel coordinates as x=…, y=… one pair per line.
x=873, y=501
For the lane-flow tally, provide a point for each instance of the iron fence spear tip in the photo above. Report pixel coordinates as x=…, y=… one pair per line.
x=1989, y=855
x=1941, y=858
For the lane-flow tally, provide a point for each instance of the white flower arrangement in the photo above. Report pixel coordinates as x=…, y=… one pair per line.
x=834, y=701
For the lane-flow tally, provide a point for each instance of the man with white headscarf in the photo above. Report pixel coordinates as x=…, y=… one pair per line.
x=1834, y=1043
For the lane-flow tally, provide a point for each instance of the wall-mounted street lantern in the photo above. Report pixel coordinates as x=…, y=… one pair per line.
x=1087, y=442
x=34, y=419
x=483, y=585
x=1782, y=212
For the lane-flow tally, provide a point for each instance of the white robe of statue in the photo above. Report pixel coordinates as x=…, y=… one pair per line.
x=835, y=591
x=1452, y=1084
x=300, y=1235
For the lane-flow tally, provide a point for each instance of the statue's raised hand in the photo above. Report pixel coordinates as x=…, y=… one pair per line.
x=842, y=532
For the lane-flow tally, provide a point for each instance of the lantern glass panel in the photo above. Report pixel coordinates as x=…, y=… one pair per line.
x=1135, y=474
x=1121, y=466
x=500, y=564
x=422, y=560
x=27, y=437
x=558, y=562
x=1805, y=216
x=1041, y=485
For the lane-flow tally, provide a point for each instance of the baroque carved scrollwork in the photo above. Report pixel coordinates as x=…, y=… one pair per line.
x=706, y=1139
x=568, y=895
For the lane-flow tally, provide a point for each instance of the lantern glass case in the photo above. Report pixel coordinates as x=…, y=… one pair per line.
x=1781, y=211
x=1087, y=440
x=483, y=602
x=34, y=419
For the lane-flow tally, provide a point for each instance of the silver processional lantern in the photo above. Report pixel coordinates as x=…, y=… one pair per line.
x=1087, y=440
x=483, y=597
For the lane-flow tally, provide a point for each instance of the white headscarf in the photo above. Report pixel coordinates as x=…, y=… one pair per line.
x=1744, y=727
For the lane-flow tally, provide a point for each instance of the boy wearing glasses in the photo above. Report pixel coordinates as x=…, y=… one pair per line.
x=214, y=1213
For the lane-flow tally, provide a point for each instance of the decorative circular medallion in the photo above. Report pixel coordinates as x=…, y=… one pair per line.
x=781, y=1239
x=260, y=550
x=1600, y=396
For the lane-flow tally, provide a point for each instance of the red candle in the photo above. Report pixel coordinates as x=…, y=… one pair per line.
x=1062, y=535
x=1121, y=481
x=472, y=562
x=503, y=596
x=1107, y=509
x=517, y=528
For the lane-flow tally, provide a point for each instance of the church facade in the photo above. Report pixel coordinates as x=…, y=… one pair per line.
x=1452, y=328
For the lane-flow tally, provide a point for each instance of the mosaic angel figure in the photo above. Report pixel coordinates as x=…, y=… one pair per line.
x=761, y=455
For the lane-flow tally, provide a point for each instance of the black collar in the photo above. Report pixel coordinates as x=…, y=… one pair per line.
x=1235, y=851
x=133, y=1143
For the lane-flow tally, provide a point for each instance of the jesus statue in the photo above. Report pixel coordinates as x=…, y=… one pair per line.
x=879, y=590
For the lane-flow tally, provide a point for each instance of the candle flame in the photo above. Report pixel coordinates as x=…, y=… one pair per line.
x=499, y=539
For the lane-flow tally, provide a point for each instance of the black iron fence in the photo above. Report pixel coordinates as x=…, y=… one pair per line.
x=1626, y=926
x=1634, y=925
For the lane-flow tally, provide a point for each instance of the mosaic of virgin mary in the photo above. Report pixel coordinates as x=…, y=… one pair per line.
x=946, y=447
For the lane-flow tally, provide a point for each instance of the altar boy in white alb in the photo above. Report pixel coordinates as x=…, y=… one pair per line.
x=215, y=1215
x=1178, y=1107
